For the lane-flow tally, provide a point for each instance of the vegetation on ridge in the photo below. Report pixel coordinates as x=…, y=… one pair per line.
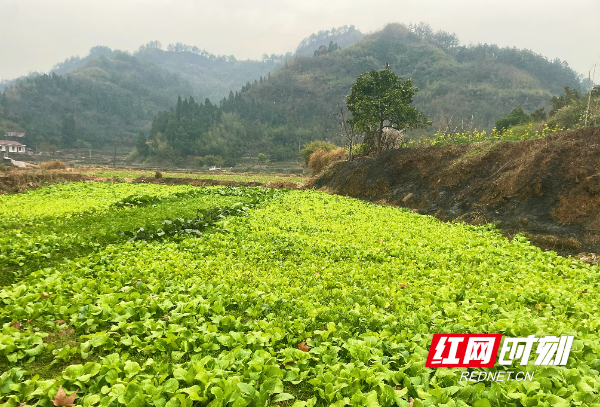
x=115, y=95
x=298, y=103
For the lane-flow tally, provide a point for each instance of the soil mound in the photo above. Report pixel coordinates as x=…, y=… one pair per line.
x=211, y=182
x=21, y=180
x=547, y=189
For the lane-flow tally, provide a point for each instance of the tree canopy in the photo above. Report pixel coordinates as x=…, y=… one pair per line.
x=379, y=100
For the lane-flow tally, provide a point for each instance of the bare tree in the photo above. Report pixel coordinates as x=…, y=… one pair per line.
x=349, y=134
x=590, y=76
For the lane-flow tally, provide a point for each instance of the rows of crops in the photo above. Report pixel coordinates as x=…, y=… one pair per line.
x=299, y=299
x=43, y=226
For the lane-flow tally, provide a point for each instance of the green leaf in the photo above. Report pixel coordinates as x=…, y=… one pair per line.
x=271, y=386
x=218, y=392
x=556, y=401
x=36, y=350
x=132, y=368
x=91, y=400
x=482, y=403
x=73, y=372
x=173, y=402
x=171, y=385
x=192, y=393
x=246, y=388
x=99, y=340
x=282, y=397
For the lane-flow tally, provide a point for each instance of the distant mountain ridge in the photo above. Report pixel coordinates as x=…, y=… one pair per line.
x=459, y=86
x=211, y=76
x=482, y=81
x=342, y=36
x=113, y=95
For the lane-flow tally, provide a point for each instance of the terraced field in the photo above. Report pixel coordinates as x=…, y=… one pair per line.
x=253, y=297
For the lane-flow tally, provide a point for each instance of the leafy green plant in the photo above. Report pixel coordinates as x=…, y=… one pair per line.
x=308, y=299
x=207, y=219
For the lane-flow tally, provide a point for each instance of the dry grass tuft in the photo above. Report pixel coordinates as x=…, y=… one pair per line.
x=556, y=243
x=321, y=159
x=53, y=165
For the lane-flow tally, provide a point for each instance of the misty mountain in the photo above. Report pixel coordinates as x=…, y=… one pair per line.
x=299, y=102
x=113, y=95
x=342, y=36
x=483, y=81
x=109, y=98
x=209, y=76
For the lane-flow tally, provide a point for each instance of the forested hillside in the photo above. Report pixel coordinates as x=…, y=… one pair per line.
x=298, y=103
x=342, y=36
x=108, y=99
x=274, y=105
x=483, y=81
x=112, y=95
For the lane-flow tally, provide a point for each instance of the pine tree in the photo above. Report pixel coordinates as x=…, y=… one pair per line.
x=178, y=108
x=185, y=108
x=141, y=146
x=69, y=135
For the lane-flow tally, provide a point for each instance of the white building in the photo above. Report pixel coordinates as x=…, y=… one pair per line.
x=9, y=146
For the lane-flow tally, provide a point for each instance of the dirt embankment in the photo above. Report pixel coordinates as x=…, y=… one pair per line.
x=211, y=182
x=548, y=189
x=18, y=180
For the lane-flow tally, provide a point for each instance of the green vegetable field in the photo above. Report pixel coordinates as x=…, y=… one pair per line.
x=153, y=295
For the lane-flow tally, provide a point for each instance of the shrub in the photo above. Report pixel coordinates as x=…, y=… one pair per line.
x=517, y=116
x=211, y=160
x=189, y=162
x=321, y=158
x=262, y=158
x=229, y=162
x=569, y=117
x=53, y=165
x=315, y=146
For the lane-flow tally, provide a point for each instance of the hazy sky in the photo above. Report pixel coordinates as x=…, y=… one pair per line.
x=36, y=34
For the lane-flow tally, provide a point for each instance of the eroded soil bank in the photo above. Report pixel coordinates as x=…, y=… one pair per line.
x=548, y=189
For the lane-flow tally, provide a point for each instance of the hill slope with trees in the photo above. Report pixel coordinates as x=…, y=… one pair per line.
x=109, y=99
x=113, y=95
x=483, y=81
x=298, y=103
x=342, y=36
x=285, y=102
